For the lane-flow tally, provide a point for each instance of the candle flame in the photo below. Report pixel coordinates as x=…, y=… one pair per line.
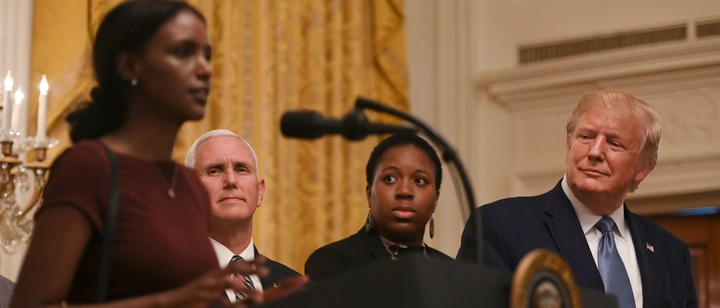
x=44, y=85
x=19, y=95
x=8, y=82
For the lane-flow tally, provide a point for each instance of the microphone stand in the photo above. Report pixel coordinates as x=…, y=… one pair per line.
x=449, y=156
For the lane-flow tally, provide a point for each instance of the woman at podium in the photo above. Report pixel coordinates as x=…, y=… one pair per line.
x=403, y=175
x=151, y=60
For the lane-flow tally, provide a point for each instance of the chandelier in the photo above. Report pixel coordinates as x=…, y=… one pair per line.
x=18, y=177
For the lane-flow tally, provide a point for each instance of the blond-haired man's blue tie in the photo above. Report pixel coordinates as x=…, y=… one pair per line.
x=612, y=269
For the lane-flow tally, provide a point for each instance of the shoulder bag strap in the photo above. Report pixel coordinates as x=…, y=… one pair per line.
x=108, y=241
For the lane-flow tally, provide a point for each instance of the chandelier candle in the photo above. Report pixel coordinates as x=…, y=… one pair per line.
x=41, y=132
x=7, y=104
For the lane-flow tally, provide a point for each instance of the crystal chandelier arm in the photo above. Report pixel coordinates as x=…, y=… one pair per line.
x=5, y=174
x=37, y=193
x=41, y=177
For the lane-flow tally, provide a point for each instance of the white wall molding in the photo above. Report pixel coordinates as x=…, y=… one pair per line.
x=518, y=86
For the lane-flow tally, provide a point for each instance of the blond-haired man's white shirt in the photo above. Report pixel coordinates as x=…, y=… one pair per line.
x=224, y=256
x=623, y=239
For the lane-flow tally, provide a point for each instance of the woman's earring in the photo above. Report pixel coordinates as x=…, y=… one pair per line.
x=369, y=222
x=134, y=82
x=432, y=227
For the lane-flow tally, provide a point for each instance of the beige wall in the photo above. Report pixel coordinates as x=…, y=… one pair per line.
x=507, y=122
x=442, y=54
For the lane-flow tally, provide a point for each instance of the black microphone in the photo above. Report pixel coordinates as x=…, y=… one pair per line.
x=308, y=124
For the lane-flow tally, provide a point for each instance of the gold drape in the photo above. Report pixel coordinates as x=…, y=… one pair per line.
x=269, y=56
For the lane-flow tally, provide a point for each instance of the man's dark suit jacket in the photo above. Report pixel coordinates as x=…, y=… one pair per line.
x=358, y=250
x=278, y=272
x=515, y=226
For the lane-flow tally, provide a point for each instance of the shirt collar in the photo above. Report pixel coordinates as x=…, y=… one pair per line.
x=224, y=254
x=394, y=250
x=588, y=219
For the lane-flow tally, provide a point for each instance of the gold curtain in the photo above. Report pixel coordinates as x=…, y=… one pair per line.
x=269, y=56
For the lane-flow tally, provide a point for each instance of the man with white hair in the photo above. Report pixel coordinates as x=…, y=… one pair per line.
x=228, y=168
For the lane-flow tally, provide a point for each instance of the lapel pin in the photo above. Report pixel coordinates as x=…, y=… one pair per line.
x=649, y=247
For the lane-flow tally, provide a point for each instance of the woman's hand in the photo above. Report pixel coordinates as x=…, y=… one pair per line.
x=285, y=288
x=280, y=290
x=208, y=289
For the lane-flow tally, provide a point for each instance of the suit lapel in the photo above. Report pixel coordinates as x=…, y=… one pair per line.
x=565, y=230
x=265, y=282
x=377, y=250
x=651, y=265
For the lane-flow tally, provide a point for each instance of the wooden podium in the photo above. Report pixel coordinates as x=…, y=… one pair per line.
x=424, y=283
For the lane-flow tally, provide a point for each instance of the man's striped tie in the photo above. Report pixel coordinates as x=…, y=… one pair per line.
x=246, y=280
